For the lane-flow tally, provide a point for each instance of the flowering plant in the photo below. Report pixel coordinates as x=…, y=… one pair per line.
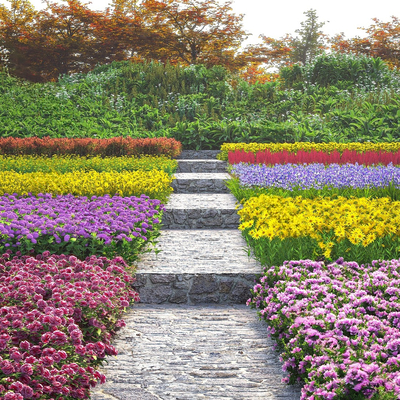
x=313, y=156
x=281, y=228
x=308, y=146
x=316, y=180
x=155, y=184
x=57, y=316
x=69, y=163
x=337, y=325
x=116, y=146
x=80, y=226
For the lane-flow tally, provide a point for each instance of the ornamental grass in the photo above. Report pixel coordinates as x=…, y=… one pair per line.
x=69, y=163
x=104, y=226
x=155, y=184
x=57, y=318
x=358, y=229
x=337, y=326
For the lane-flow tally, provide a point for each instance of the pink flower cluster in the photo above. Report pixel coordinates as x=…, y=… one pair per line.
x=57, y=317
x=338, y=325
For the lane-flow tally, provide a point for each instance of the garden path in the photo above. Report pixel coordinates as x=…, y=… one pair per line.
x=191, y=336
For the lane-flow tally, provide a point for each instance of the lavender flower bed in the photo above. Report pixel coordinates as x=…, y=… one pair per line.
x=317, y=176
x=105, y=225
x=338, y=326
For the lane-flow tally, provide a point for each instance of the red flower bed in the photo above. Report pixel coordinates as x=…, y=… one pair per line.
x=117, y=146
x=304, y=157
x=57, y=316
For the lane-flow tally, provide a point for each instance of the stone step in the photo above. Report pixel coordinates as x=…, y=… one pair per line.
x=200, y=183
x=183, y=352
x=200, y=165
x=203, y=210
x=198, y=154
x=197, y=266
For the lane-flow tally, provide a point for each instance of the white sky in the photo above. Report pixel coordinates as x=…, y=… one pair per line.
x=278, y=17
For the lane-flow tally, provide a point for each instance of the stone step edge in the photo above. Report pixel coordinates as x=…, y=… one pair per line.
x=194, y=288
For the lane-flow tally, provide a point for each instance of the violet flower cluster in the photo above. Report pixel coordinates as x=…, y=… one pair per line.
x=338, y=325
x=57, y=318
x=51, y=223
x=317, y=176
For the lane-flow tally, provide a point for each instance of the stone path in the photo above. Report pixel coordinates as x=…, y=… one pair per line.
x=192, y=337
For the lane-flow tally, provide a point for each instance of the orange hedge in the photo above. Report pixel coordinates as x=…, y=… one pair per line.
x=117, y=146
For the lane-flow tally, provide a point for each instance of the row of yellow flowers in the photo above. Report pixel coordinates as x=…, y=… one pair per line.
x=328, y=221
x=155, y=184
x=306, y=146
x=69, y=163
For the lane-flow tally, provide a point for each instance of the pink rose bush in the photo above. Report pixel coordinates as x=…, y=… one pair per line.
x=337, y=325
x=57, y=317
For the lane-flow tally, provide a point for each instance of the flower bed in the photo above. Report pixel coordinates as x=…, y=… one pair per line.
x=105, y=225
x=57, y=316
x=155, y=184
x=316, y=180
x=64, y=164
x=358, y=229
x=308, y=146
x=308, y=157
x=337, y=326
x=117, y=146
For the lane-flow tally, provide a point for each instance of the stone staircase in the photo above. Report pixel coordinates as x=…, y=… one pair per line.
x=191, y=336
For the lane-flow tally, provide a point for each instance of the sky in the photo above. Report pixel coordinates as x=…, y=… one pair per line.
x=276, y=18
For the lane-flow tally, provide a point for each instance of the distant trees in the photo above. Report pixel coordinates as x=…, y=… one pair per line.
x=289, y=49
x=383, y=40
x=71, y=37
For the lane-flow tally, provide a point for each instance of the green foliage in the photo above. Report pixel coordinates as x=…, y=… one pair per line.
x=334, y=98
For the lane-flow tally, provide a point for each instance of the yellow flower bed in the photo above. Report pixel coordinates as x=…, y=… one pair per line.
x=155, y=184
x=306, y=146
x=68, y=163
x=360, y=220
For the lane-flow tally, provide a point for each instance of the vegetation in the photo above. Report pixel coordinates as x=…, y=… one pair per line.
x=336, y=98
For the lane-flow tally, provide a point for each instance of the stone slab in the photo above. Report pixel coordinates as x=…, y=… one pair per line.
x=194, y=288
x=201, y=201
x=199, y=252
x=200, y=183
x=196, y=267
x=201, y=166
x=200, y=211
x=198, y=154
x=194, y=352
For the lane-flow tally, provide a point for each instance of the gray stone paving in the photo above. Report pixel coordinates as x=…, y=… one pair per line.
x=194, y=352
x=201, y=166
x=200, y=183
x=197, y=211
x=179, y=343
x=199, y=251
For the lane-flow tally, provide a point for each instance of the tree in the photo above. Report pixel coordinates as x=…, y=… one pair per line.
x=383, y=40
x=193, y=32
x=65, y=38
x=16, y=22
x=310, y=42
x=288, y=50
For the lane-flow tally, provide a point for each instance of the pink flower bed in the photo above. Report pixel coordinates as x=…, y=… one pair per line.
x=314, y=156
x=57, y=317
x=337, y=325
